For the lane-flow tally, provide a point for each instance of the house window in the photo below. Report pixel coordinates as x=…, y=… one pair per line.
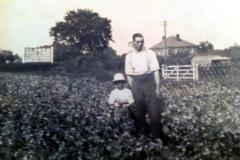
x=192, y=50
x=175, y=50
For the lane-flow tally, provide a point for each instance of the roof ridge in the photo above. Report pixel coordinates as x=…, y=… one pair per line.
x=173, y=42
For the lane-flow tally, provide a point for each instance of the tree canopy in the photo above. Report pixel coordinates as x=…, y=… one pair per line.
x=205, y=47
x=7, y=56
x=83, y=30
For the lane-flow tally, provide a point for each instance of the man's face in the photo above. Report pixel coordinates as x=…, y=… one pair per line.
x=138, y=43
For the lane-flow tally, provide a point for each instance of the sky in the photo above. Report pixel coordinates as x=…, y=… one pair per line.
x=26, y=23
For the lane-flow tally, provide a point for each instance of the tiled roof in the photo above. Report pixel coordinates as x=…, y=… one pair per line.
x=173, y=41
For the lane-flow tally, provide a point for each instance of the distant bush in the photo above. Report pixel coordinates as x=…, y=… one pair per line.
x=101, y=64
x=7, y=56
x=108, y=58
x=23, y=67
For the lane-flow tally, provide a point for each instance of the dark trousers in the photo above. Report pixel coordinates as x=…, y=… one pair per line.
x=143, y=89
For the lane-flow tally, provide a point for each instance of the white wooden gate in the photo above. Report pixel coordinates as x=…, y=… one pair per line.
x=179, y=72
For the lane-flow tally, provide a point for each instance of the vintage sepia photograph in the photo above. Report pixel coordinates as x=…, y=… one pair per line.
x=119, y=80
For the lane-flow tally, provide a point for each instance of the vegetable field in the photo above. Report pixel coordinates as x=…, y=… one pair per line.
x=62, y=117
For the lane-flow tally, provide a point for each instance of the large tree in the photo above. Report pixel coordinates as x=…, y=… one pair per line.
x=83, y=30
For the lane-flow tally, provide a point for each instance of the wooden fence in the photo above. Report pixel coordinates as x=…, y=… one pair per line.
x=227, y=74
x=180, y=72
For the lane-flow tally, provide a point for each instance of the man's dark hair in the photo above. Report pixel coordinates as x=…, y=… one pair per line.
x=136, y=35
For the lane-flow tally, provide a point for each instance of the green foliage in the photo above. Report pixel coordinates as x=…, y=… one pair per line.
x=205, y=47
x=64, y=53
x=25, y=67
x=226, y=74
x=57, y=117
x=8, y=57
x=204, y=121
x=65, y=117
x=111, y=60
x=102, y=64
x=234, y=53
x=83, y=30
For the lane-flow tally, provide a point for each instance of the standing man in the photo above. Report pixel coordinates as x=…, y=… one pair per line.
x=142, y=70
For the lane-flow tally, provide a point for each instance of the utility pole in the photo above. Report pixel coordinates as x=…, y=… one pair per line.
x=165, y=41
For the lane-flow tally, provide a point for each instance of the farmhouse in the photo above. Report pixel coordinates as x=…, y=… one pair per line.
x=174, y=45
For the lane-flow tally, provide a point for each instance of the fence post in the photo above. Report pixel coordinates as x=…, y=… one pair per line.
x=177, y=72
x=194, y=72
x=197, y=72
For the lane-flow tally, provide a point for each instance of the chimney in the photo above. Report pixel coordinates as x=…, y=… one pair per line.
x=178, y=37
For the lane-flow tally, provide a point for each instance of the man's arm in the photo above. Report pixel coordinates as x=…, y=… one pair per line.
x=128, y=70
x=157, y=82
x=129, y=79
x=154, y=66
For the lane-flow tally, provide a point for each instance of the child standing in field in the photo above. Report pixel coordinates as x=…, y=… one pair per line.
x=121, y=98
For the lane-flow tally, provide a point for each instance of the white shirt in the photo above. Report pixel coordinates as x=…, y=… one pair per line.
x=121, y=96
x=143, y=62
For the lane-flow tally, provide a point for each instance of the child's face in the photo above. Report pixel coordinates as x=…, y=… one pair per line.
x=119, y=84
